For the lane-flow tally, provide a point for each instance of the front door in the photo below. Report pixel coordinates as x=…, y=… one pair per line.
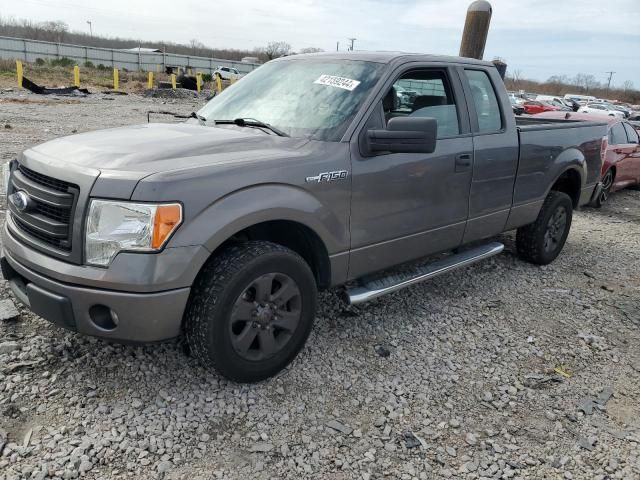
x=408, y=205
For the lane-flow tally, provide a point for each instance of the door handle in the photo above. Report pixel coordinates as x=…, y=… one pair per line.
x=463, y=162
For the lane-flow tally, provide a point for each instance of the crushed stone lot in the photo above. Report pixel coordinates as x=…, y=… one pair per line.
x=500, y=370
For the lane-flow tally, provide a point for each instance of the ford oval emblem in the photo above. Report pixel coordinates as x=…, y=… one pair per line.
x=20, y=200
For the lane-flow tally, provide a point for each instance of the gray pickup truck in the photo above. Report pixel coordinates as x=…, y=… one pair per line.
x=365, y=171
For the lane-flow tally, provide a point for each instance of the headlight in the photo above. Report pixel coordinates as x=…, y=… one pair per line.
x=115, y=226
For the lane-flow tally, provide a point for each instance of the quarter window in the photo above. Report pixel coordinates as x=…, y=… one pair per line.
x=632, y=135
x=485, y=101
x=617, y=135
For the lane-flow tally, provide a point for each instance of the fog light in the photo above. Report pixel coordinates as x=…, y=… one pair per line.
x=103, y=317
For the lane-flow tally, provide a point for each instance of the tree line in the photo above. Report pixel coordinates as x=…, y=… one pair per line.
x=59, y=32
x=582, y=83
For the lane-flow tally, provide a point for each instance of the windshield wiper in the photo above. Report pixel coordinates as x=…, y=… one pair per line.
x=251, y=122
x=200, y=118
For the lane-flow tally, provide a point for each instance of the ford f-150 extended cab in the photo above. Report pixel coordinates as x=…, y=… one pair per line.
x=307, y=174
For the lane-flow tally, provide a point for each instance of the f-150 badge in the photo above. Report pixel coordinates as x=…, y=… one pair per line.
x=328, y=176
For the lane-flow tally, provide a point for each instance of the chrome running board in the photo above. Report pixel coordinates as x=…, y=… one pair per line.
x=374, y=287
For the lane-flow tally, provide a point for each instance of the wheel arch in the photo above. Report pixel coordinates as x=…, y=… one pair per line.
x=570, y=181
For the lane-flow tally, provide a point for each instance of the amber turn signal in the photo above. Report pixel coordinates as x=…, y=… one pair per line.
x=167, y=219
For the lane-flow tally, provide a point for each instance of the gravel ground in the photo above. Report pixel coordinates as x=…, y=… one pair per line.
x=453, y=378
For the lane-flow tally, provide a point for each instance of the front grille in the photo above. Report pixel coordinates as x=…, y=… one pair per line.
x=61, y=244
x=49, y=216
x=59, y=185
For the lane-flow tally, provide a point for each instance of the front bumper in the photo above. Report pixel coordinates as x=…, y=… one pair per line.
x=128, y=315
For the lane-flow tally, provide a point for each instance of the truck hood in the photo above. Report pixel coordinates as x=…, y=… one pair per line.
x=153, y=148
x=111, y=162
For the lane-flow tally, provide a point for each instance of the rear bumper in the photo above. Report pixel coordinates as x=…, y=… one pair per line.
x=121, y=316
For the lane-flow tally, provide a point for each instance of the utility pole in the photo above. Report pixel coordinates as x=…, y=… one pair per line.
x=476, y=29
x=90, y=28
x=337, y=46
x=609, y=82
x=351, y=40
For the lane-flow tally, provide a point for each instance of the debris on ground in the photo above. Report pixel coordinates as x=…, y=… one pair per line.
x=382, y=350
x=178, y=93
x=8, y=310
x=410, y=440
x=339, y=427
x=33, y=87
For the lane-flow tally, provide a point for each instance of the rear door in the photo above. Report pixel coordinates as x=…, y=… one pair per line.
x=634, y=151
x=408, y=205
x=621, y=152
x=496, y=147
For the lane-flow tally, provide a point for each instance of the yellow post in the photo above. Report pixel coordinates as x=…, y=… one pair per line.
x=76, y=76
x=173, y=81
x=219, y=83
x=150, y=81
x=198, y=81
x=19, y=72
x=116, y=79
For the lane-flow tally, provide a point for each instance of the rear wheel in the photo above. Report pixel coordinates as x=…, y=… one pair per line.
x=607, y=183
x=251, y=311
x=542, y=241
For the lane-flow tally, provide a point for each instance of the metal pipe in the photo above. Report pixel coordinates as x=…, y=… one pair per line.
x=476, y=29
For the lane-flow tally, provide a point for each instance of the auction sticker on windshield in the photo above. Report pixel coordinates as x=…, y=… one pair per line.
x=338, y=82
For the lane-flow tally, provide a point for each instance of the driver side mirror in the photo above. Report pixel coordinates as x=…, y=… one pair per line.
x=405, y=135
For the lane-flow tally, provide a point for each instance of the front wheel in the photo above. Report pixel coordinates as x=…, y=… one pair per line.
x=542, y=241
x=251, y=310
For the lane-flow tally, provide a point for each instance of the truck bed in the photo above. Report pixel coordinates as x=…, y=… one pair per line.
x=546, y=145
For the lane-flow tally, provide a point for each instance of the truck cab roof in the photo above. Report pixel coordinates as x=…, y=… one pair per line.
x=387, y=57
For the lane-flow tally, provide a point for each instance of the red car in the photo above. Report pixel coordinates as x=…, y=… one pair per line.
x=621, y=152
x=533, y=106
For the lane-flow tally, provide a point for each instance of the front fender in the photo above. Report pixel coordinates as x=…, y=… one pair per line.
x=249, y=206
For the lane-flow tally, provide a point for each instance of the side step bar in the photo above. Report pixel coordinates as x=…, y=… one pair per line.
x=381, y=285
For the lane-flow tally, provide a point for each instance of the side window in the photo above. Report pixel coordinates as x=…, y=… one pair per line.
x=485, y=100
x=424, y=93
x=632, y=135
x=617, y=135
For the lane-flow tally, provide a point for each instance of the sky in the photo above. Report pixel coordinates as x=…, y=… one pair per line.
x=538, y=38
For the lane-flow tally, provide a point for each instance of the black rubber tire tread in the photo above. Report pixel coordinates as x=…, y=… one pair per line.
x=214, y=292
x=530, y=238
x=597, y=202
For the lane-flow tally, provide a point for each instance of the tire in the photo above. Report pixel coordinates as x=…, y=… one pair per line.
x=607, y=183
x=542, y=241
x=234, y=322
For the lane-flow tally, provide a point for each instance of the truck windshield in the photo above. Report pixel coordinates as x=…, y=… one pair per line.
x=304, y=98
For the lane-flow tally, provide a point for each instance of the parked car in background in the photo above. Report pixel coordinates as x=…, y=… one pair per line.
x=533, y=106
x=601, y=109
x=516, y=106
x=582, y=99
x=572, y=104
x=557, y=102
x=625, y=111
x=226, y=73
x=405, y=97
x=621, y=152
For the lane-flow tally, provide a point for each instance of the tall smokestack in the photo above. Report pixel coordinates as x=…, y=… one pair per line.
x=476, y=29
